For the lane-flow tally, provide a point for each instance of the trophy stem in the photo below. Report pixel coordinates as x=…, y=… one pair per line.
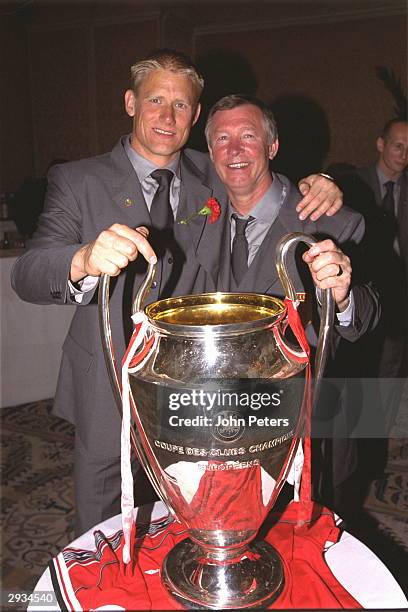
x=221, y=579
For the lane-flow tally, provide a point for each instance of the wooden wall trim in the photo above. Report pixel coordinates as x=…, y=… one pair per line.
x=30, y=90
x=92, y=98
x=349, y=13
x=95, y=22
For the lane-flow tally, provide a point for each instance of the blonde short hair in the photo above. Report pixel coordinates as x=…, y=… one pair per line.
x=166, y=59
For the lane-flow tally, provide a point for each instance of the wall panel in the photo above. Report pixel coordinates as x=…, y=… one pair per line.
x=59, y=95
x=117, y=47
x=321, y=54
x=16, y=145
x=331, y=64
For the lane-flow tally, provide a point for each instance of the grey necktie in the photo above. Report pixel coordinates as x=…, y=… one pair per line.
x=161, y=212
x=388, y=199
x=239, y=255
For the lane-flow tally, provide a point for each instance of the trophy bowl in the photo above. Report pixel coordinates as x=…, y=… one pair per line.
x=218, y=412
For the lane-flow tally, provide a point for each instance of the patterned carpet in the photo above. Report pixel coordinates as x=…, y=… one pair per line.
x=37, y=501
x=37, y=497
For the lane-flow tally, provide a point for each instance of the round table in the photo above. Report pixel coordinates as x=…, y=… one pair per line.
x=354, y=565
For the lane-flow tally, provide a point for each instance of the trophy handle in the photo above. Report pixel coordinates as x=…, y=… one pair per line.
x=106, y=332
x=144, y=289
x=106, y=336
x=327, y=317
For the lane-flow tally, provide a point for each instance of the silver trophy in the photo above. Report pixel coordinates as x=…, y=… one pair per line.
x=217, y=418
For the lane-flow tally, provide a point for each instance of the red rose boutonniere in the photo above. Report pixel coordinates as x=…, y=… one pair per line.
x=211, y=209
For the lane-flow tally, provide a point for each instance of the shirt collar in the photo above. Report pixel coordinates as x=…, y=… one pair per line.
x=384, y=179
x=266, y=208
x=143, y=167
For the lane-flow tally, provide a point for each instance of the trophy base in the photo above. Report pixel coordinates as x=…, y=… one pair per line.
x=198, y=578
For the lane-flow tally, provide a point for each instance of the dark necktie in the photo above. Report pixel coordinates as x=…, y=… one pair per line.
x=388, y=199
x=160, y=211
x=239, y=255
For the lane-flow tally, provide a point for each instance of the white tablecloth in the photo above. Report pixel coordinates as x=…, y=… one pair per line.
x=31, y=341
x=354, y=565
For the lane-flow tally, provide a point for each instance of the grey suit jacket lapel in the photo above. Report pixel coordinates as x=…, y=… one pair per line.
x=224, y=271
x=126, y=189
x=204, y=238
x=262, y=275
x=375, y=184
x=403, y=219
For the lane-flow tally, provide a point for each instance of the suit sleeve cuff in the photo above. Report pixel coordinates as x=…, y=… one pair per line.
x=345, y=318
x=83, y=286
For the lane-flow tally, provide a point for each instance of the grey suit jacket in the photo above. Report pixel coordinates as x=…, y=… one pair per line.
x=84, y=198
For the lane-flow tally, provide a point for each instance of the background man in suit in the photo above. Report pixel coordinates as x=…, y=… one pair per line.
x=87, y=228
x=386, y=213
x=379, y=192
x=242, y=138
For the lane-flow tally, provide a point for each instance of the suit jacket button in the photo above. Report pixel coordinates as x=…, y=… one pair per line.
x=154, y=284
x=170, y=260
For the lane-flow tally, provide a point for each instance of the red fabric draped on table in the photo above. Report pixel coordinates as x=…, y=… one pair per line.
x=86, y=580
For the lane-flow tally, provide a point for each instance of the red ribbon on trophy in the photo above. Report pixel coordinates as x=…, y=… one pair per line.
x=132, y=361
x=306, y=505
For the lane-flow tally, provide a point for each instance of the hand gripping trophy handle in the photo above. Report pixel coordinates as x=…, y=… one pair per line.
x=326, y=320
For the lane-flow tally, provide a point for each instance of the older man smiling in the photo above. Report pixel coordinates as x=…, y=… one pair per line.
x=242, y=138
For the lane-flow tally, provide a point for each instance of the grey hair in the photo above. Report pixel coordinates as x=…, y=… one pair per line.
x=166, y=59
x=235, y=100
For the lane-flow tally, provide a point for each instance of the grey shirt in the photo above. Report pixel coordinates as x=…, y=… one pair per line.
x=143, y=168
x=262, y=215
